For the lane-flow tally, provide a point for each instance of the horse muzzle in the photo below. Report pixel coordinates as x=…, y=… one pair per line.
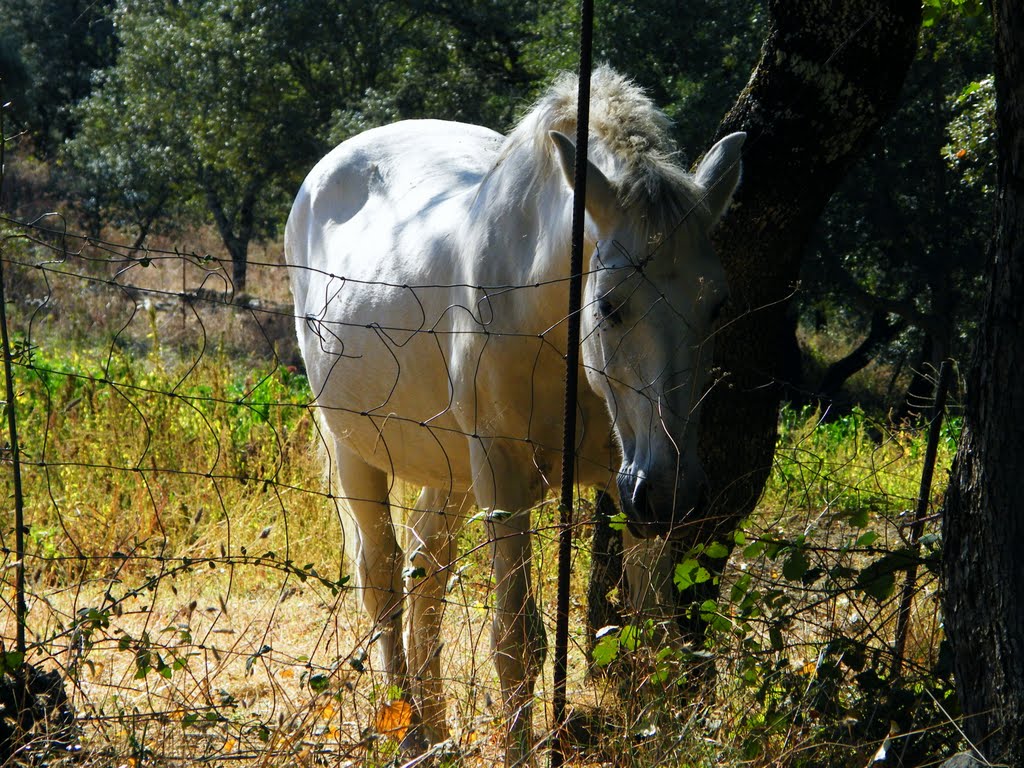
x=660, y=509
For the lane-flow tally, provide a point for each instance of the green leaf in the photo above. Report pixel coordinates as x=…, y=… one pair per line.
x=867, y=539
x=11, y=661
x=660, y=675
x=718, y=621
x=811, y=575
x=878, y=580
x=319, y=682
x=973, y=87
x=716, y=550
x=740, y=588
x=606, y=650
x=395, y=693
x=617, y=522
x=754, y=551
x=860, y=518
x=749, y=605
x=688, y=574
x=630, y=637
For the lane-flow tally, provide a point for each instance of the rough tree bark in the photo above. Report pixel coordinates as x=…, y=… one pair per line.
x=983, y=522
x=829, y=75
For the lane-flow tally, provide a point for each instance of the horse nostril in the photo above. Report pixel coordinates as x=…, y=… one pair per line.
x=641, y=502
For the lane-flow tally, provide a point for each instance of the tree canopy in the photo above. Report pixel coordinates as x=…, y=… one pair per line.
x=216, y=112
x=182, y=112
x=899, y=252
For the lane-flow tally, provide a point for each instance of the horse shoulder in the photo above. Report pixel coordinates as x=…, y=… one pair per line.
x=383, y=206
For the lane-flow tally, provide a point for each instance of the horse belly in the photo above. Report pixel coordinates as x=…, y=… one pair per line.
x=432, y=455
x=377, y=360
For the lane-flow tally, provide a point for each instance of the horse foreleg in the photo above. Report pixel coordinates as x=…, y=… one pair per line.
x=378, y=557
x=517, y=631
x=431, y=547
x=648, y=567
x=649, y=571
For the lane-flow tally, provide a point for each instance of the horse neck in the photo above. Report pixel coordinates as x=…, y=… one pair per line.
x=528, y=215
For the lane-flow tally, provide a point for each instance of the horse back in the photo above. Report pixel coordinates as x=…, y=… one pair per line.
x=372, y=244
x=412, y=165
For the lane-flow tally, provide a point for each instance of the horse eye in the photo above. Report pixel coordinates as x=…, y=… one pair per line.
x=608, y=312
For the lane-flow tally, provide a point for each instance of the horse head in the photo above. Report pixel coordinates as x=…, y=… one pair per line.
x=654, y=287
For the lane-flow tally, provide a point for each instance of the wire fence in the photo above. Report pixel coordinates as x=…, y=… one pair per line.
x=176, y=588
x=183, y=554
x=185, y=577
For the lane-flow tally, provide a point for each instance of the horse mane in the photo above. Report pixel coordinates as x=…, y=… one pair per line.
x=630, y=140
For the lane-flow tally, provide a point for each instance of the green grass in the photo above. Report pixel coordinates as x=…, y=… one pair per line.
x=121, y=454
x=153, y=487
x=186, y=572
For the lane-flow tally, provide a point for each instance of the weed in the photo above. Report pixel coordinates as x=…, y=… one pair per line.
x=186, y=570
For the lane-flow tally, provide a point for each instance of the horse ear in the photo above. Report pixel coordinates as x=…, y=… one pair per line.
x=719, y=174
x=602, y=202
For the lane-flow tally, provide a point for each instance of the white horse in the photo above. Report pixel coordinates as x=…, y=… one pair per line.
x=429, y=264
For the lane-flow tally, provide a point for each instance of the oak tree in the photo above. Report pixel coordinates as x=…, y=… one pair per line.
x=983, y=528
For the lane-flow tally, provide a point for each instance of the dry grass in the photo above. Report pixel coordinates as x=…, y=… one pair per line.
x=185, y=564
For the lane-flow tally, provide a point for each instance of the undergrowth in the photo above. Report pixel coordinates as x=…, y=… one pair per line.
x=186, y=574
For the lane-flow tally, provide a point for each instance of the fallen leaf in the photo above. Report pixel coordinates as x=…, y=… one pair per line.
x=394, y=719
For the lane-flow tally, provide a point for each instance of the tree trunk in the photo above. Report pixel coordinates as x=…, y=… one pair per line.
x=235, y=232
x=983, y=523
x=239, y=251
x=829, y=75
x=605, y=570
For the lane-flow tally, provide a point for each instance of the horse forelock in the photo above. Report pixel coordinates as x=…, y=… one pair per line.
x=630, y=139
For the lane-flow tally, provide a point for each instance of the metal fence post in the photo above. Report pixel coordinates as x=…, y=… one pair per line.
x=12, y=427
x=917, y=527
x=572, y=361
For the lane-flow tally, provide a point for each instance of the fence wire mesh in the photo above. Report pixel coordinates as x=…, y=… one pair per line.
x=186, y=576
